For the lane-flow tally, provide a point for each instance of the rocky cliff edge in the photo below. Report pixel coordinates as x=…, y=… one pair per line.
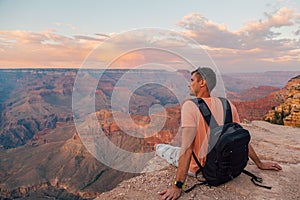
x=271, y=142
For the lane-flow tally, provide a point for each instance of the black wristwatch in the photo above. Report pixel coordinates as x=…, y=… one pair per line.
x=179, y=184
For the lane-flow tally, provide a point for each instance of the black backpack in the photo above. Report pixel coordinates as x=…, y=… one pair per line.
x=227, y=148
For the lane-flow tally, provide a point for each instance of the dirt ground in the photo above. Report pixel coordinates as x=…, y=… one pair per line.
x=271, y=142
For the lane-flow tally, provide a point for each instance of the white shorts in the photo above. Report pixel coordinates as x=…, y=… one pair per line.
x=170, y=154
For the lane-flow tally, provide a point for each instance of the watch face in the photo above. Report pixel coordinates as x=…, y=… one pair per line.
x=178, y=184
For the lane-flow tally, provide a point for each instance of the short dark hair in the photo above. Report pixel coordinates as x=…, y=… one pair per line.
x=208, y=75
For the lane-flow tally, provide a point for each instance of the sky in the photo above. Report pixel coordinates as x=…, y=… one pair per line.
x=242, y=36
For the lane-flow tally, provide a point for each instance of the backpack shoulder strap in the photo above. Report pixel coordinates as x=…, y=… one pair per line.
x=205, y=111
x=210, y=121
x=227, y=110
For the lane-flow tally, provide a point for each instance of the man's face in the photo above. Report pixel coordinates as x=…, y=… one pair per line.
x=194, y=85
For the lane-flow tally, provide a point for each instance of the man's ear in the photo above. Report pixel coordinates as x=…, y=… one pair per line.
x=202, y=83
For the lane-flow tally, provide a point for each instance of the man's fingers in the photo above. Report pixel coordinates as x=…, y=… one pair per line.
x=275, y=166
x=278, y=167
x=163, y=192
x=170, y=194
x=270, y=166
x=164, y=196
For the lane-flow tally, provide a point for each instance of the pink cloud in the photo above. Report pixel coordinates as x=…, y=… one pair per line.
x=208, y=33
x=281, y=18
x=129, y=60
x=256, y=42
x=31, y=49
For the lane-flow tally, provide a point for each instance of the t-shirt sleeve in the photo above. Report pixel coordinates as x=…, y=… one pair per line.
x=188, y=114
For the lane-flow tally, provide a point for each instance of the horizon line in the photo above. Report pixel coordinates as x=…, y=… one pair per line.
x=127, y=69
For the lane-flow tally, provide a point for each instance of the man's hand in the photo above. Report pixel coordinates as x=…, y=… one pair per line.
x=170, y=194
x=260, y=164
x=269, y=166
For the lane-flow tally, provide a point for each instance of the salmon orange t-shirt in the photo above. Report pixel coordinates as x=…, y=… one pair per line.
x=192, y=117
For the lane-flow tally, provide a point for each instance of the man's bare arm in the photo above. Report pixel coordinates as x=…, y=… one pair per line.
x=259, y=163
x=188, y=135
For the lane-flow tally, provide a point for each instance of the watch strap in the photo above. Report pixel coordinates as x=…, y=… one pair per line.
x=179, y=184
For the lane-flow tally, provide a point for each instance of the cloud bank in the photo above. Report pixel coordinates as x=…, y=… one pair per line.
x=272, y=43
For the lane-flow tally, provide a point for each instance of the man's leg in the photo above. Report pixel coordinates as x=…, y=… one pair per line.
x=170, y=154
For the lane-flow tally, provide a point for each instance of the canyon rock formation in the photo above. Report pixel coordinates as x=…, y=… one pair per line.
x=288, y=112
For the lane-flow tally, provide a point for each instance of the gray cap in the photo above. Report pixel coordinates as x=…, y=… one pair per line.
x=209, y=76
